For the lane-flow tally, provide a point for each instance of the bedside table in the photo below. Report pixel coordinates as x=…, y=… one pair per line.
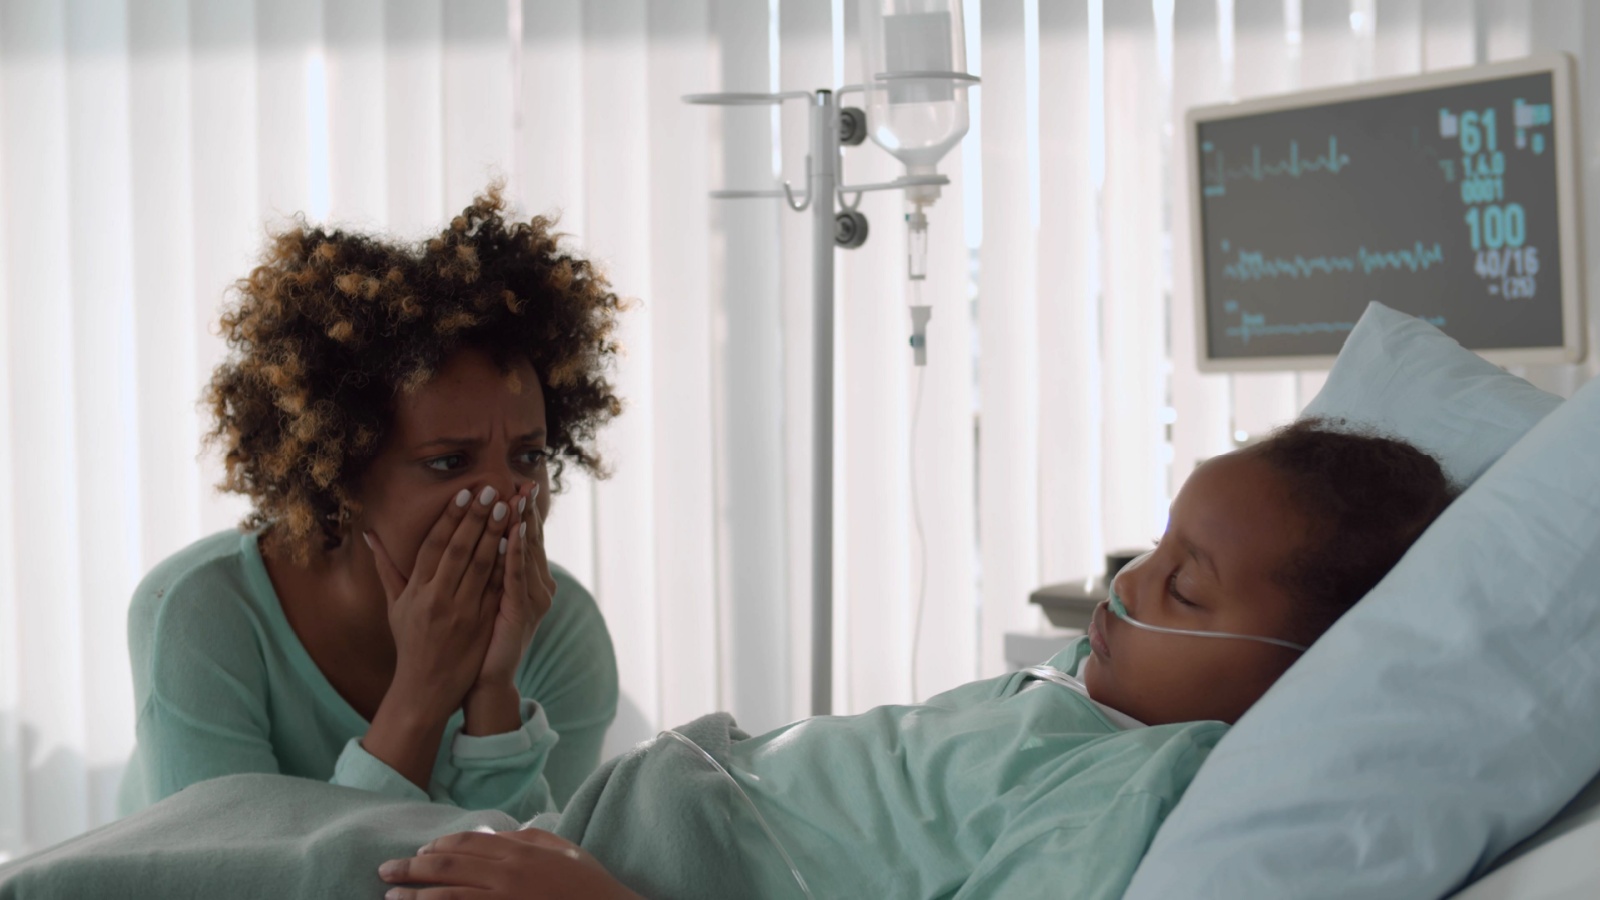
x=1070, y=604
x=1030, y=648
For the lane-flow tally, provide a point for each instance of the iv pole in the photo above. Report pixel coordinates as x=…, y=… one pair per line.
x=830, y=126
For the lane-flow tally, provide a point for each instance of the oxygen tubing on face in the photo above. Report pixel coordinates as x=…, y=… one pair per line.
x=1120, y=611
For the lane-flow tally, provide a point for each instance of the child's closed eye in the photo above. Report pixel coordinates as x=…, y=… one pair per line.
x=1172, y=588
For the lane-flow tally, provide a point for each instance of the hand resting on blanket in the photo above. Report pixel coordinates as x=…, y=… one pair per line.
x=502, y=866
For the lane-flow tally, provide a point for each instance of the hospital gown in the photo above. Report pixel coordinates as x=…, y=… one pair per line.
x=1008, y=787
x=1000, y=788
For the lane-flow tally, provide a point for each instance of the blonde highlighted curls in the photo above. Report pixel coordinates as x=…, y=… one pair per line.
x=332, y=326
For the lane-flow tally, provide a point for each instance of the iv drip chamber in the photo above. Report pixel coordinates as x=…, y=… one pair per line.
x=916, y=243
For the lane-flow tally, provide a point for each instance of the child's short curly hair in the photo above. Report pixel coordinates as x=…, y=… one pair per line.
x=1368, y=498
x=333, y=325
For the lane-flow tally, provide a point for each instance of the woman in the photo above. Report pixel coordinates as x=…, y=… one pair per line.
x=385, y=618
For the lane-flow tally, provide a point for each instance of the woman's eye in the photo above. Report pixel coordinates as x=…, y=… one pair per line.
x=536, y=456
x=1172, y=588
x=445, y=463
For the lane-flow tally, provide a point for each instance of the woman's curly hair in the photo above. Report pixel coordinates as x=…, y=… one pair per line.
x=332, y=326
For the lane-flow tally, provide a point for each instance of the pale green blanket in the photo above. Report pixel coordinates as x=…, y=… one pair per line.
x=999, y=788
x=243, y=836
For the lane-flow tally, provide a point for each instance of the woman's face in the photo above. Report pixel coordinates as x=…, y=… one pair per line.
x=1232, y=528
x=471, y=427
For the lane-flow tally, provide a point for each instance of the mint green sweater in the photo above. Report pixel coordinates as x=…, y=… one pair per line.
x=223, y=685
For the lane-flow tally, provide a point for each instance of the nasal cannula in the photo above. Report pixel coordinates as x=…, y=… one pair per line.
x=1121, y=612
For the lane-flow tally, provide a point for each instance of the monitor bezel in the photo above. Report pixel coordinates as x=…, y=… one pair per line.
x=1559, y=65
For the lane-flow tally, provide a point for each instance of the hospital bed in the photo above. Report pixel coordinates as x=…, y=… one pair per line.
x=1560, y=862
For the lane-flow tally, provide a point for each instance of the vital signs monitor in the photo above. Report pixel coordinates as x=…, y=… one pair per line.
x=1452, y=196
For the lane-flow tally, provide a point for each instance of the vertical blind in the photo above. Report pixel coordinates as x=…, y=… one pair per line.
x=146, y=147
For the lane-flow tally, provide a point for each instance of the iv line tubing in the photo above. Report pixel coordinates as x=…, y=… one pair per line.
x=916, y=518
x=760, y=819
x=1121, y=612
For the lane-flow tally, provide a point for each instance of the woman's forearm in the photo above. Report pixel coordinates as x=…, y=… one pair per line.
x=492, y=709
x=405, y=739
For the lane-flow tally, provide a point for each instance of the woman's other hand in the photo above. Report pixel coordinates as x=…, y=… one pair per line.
x=511, y=865
x=441, y=614
x=528, y=593
x=493, y=704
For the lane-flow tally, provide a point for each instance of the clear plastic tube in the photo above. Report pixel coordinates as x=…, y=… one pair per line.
x=761, y=820
x=916, y=244
x=921, y=313
x=1121, y=612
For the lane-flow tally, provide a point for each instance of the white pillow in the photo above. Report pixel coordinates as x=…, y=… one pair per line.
x=1407, y=378
x=1445, y=718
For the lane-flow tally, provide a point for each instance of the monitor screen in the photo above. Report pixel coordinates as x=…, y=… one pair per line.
x=1448, y=196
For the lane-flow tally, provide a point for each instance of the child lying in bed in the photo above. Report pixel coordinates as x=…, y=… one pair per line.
x=1002, y=787
x=1047, y=781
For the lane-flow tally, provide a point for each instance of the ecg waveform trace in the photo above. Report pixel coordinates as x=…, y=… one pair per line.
x=1250, y=266
x=1255, y=325
x=1292, y=165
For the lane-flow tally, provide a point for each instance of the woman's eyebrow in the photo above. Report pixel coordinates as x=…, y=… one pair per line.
x=1200, y=556
x=448, y=442
x=533, y=435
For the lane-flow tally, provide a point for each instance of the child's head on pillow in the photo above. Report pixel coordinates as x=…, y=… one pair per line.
x=1276, y=540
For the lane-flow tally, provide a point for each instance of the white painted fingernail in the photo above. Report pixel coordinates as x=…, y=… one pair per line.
x=500, y=510
x=535, y=491
x=464, y=497
x=502, y=546
x=524, y=530
x=368, y=538
x=522, y=505
x=487, y=497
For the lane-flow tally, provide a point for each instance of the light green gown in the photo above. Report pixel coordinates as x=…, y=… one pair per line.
x=1009, y=787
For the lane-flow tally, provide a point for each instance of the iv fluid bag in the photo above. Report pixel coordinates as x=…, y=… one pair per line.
x=917, y=120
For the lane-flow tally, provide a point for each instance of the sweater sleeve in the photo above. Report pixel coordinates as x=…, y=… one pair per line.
x=505, y=771
x=205, y=685
x=356, y=768
x=203, y=713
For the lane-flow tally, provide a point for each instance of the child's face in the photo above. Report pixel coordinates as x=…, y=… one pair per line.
x=1232, y=529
